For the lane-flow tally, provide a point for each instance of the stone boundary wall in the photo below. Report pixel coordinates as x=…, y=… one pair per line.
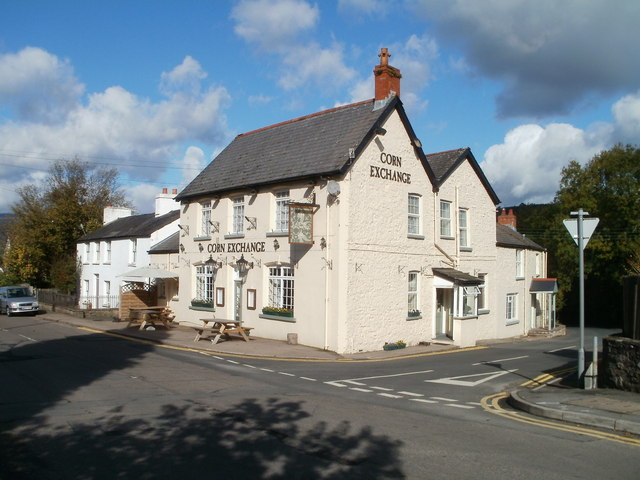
x=620, y=366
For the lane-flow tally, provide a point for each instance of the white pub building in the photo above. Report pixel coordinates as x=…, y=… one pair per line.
x=336, y=227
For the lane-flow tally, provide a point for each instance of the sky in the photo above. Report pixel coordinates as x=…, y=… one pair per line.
x=156, y=89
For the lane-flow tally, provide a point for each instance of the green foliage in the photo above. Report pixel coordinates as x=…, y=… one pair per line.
x=608, y=187
x=51, y=216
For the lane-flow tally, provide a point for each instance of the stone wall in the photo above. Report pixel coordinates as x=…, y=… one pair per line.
x=620, y=366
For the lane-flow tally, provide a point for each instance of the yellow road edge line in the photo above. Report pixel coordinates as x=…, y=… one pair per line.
x=278, y=359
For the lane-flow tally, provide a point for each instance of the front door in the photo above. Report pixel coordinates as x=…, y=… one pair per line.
x=237, y=300
x=444, y=312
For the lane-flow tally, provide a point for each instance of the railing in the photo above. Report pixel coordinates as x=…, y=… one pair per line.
x=98, y=302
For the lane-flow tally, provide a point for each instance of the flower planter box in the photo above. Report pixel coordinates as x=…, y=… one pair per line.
x=278, y=312
x=394, y=346
x=201, y=304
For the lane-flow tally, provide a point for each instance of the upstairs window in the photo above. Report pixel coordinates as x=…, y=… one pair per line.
x=107, y=251
x=413, y=213
x=519, y=264
x=238, y=215
x=445, y=219
x=87, y=252
x=205, y=219
x=282, y=211
x=463, y=227
x=133, y=251
x=96, y=253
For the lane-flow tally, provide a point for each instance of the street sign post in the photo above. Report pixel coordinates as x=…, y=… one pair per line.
x=581, y=230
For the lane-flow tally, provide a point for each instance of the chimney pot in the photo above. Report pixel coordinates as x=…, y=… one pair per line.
x=174, y=191
x=164, y=191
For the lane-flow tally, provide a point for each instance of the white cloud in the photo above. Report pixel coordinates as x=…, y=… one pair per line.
x=312, y=64
x=192, y=164
x=38, y=86
x=272, y=24
x=116, y=126
x=526, y=167
x=367, y=7
x=551, y=55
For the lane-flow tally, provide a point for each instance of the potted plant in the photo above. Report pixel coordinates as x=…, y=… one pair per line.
x=394, y=345
x=280, y=312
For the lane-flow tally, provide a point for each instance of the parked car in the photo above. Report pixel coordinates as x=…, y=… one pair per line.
x=17, y=300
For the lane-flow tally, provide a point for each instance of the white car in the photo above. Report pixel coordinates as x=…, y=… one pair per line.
x=15, y=300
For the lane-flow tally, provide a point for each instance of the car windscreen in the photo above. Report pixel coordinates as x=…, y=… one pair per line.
x=18, y=292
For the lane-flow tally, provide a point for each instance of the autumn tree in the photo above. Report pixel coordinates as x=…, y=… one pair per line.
x=50, y=217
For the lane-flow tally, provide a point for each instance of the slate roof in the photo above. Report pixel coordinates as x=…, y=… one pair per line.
x=133, y=226
x=510, y=238
x=306, y=147
x=443, y=164
x=168, y=245
x=457, y=276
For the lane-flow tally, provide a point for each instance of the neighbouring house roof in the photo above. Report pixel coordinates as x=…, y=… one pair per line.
x=509, y=238
x=306, y=147
x=544, y=285
x=168, y=245
x=443, y=164
x=134, y=226
x=456, y=276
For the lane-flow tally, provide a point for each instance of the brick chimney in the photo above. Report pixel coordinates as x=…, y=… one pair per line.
x=387, y=78
x=165, y=202
x=508, y=219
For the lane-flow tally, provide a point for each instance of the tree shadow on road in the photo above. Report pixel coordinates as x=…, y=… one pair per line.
x=267, y=439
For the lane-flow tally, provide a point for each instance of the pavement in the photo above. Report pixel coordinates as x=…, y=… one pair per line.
x=558, y=399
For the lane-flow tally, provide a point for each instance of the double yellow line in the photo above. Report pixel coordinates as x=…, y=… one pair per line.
x=491, y=404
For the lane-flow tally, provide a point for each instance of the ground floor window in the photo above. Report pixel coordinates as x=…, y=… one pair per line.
x=204, y=282
x=412, y=301
x=512, y=304
x=281, y=287
x=469, y=301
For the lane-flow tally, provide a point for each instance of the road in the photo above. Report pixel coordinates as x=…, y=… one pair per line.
x=85, y=405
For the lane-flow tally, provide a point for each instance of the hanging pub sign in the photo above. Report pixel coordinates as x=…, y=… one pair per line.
x=301, y=223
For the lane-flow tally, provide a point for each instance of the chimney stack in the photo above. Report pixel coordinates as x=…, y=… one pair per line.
x=508, y=219
x=387, y=78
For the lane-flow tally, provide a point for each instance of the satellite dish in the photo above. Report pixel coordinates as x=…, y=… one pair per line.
x=333, y=188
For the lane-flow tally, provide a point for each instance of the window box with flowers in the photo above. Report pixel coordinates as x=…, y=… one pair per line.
x=200, y=304
x=279, y=312
x=414, y=315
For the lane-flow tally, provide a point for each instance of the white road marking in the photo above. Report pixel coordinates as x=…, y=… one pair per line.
x=501, y=360
x=389, y=395
x=233, y=361
x=266, y=370
x=335, y=384
x=458, y=405
x=423, y=400
x=411, y=394
x=385, y=376
x=247, y=365
x=474, y=403
x=287, y=374
x=309, y=379
x=563, y=348
x=353, y=382
x=465, y=383
x=383, y=389
x=28, y=338
x=358, y=389
x=444, y=399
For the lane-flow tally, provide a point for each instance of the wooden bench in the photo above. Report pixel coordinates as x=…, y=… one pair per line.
x=218, y=327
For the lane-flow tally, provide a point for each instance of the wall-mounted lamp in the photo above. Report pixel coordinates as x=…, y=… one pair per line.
x=381, y=131
x=276, y=244
x=243, y=266
x=213, y=263
x=181, y=248
x=200, y=247
x=323, y=243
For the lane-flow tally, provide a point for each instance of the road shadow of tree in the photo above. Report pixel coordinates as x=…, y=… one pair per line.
x=268, y=439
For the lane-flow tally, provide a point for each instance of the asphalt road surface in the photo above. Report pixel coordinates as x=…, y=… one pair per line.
x=82, y=405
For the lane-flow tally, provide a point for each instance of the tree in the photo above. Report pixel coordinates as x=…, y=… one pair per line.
x=49, y=218
x=608, y=187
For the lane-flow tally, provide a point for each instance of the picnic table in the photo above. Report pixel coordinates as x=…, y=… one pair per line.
x=150, y=316
x=220, y=327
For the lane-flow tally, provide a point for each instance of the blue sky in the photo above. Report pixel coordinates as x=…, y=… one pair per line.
x=158, y=88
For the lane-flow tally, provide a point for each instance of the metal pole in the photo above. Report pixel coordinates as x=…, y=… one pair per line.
x=594, y=383
x=581, y=281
